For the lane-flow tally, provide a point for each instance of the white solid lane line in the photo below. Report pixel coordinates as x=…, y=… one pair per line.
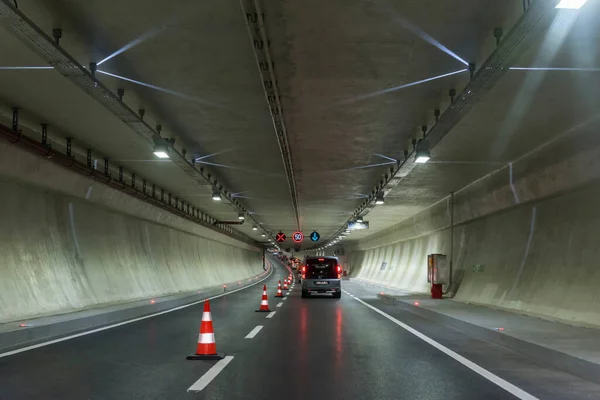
x=254, y=332
x=509, y=387
x=271, y=314
x=210, y=375
x=279, y=305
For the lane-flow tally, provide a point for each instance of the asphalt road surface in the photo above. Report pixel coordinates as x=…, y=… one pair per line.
x=318, y=348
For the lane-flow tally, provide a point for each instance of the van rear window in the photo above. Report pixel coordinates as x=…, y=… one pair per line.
x=325, y=269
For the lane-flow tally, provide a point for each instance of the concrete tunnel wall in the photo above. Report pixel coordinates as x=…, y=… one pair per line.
x=61, y=252
x=526, y=244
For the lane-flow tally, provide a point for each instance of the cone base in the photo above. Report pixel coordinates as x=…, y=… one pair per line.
x=262, y=311
x=278, y=295
x=217, y=356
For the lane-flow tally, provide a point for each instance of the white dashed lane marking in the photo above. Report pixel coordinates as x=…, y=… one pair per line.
x=254, y=332
x=210, y=375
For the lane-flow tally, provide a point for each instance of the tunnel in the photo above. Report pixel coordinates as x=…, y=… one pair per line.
x=299, y=199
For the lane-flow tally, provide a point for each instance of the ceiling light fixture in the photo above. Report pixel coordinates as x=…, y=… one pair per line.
x=422, y=156
x=241, y=216
x=263, y=235
x=216, y=196
x=379, y=199
x=571, y=4
x=359, y=219
x=254, y=228
x=161, y=151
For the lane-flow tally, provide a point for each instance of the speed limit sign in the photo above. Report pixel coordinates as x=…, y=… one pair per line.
x=298, y=237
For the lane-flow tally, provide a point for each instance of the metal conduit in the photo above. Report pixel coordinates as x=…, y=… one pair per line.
x=45, y=151
x=530, y=26
x=261, y=43
x=20, y=26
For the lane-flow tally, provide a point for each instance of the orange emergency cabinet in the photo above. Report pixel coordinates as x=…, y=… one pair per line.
x=438, y=274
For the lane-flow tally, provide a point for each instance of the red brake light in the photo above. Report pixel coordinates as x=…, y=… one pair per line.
x=303, y=268
x=321, y=259
x=339, y=268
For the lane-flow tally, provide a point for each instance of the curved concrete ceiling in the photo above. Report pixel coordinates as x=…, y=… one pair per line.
x=345, y=72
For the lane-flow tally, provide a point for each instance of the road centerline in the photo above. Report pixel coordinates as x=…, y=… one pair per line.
x=271, y=314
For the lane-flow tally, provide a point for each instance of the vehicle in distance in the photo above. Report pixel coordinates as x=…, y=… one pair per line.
x=321, y=275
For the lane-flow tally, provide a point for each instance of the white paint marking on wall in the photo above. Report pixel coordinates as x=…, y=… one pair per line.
x=104, y=328
x=89, y=192
x=279, y=305
x=512, y=186
x=73, y=232
x=95, y=164
x=461, y=248
x=211, y=374
x=509, y=387
x=527, y=247
x=271, y=314
x=147, y=237
x=254, y=332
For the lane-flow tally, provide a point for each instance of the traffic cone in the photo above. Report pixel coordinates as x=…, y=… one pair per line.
x=285, y=285
x=279, y=294
x=206, y=348
x=264, y=303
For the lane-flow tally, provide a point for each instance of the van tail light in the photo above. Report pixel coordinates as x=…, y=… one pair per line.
x=304, y=272
x=339, y=271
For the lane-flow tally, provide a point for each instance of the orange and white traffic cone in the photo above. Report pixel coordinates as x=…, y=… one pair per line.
x=279, y=294
x=264, y=303
x=285, y=285
x=206, y=348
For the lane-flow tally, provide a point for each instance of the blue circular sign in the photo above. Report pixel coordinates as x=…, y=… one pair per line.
x=315, y=236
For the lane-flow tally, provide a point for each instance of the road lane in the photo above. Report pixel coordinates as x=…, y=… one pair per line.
x=141, y=360
x=318, y=348
x=323, y=348
x=539, y=380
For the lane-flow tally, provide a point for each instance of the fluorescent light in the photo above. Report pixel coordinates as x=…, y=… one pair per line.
x=359, y=219
x=216, y=196
x=572, y=4
x=422, y=156
x=241, y=216
x=380, y=199
x=161, y=151
x=161, y=154
x=254, y=228
x=263, y=235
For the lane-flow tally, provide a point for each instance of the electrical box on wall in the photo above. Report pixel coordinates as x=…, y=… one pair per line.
x=438, y=269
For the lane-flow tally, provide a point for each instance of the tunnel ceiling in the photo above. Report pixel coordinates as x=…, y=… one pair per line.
x=338, y=65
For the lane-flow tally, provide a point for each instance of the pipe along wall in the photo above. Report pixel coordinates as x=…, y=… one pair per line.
x=68, y=243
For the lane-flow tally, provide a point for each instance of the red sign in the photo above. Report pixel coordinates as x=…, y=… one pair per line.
x=298, y=237
x=280, y=237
